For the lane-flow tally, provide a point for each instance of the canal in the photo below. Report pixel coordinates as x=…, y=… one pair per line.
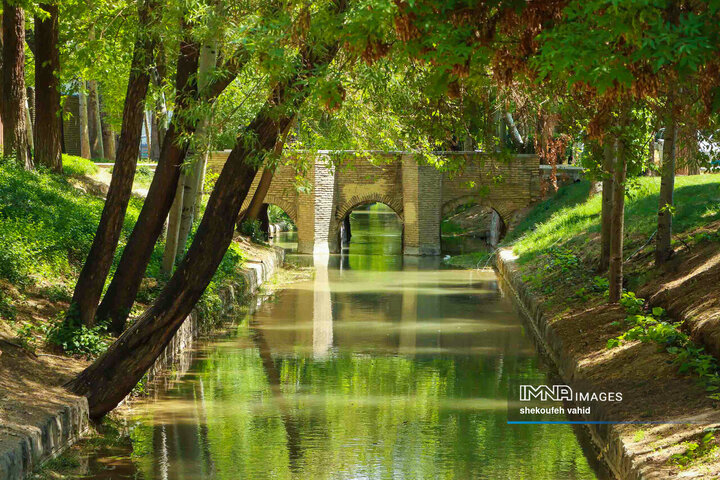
x=377, y=367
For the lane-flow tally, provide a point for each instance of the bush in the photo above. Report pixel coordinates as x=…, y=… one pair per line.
x=75, y=338
x=252, y=229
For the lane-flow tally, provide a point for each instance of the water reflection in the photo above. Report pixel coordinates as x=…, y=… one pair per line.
x=379, y=367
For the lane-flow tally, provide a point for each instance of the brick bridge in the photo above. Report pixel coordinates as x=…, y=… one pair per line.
x=419, y=194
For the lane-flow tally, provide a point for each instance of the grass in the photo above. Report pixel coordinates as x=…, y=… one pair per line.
x=47, y=227
x=572, y=219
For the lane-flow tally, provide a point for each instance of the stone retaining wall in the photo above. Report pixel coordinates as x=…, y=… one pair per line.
x=52, y=435
x=605, y=438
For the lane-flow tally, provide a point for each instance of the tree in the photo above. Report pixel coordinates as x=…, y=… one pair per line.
x=15, y=140
x=126, y=282
x=258, y=199
x=663, y=240
x=608, y=185
x=108, y=136
x=97, y=149
x=48, y=150
x=195, y=171
x=84, y=123
x=617, y=227
x=97, y=264
x=109, y=379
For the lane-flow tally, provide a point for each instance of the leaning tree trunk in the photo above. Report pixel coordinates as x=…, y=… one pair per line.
x=258, y=199
x=126, y=282
x=663, y=240
x=97, y=264
x=15, y=140
x=48, y=146
x=607, y=202
x=618, y=223
x=83, y=120
x=107, y=381
x=122, y=289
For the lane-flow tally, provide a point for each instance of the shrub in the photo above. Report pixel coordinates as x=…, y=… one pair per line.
x=75, y=338
x=252, y=229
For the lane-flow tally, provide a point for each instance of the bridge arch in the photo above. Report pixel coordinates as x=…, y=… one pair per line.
x=371, y=197
x=343, y=210
x=504, y=209
x=288, y=207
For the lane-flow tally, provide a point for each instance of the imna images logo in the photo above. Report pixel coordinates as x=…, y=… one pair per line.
x=555, y=393
x=559, y=393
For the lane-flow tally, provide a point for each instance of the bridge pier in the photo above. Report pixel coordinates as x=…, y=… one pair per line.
x=316, y=211
x=422, y=206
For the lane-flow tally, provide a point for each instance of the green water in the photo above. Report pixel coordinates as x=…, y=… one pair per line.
x=379, y=367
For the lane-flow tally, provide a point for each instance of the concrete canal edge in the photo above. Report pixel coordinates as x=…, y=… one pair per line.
x=605, y=438
x=49, y=437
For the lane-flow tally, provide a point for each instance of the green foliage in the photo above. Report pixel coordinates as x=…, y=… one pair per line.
x=7, y=309
x=469, y=260
x=653, y=327
x=694, y=450
x=278, y=215
x=229, y=273
x=75, y=338
x=253, y=229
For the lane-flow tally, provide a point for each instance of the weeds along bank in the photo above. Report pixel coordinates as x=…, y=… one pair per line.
x=47, y=222
x=655, y=346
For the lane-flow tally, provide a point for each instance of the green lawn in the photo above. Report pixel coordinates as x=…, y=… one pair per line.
x=47, y=226
x=572, y=219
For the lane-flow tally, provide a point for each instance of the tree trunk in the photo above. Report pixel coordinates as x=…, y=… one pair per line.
x=618, y=223
x=191, y=179
x=108, y=380
x=48, y=119
x=83, y=120
x=148, y=134
x=97, y=264
x=173, y=229
x=154, y=141
x=258, y=198
x=29, y=108
x=108, y=136
x=609, y=147
x=126, y=282
x=514, y=133
x=15, y=141
x=663, y=240
x=97, y=149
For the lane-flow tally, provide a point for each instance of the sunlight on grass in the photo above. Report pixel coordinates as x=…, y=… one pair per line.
x=570, y=216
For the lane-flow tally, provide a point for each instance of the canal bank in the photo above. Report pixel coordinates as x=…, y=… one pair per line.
x=42, y=423
x=666, y=424
x=606, y=440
